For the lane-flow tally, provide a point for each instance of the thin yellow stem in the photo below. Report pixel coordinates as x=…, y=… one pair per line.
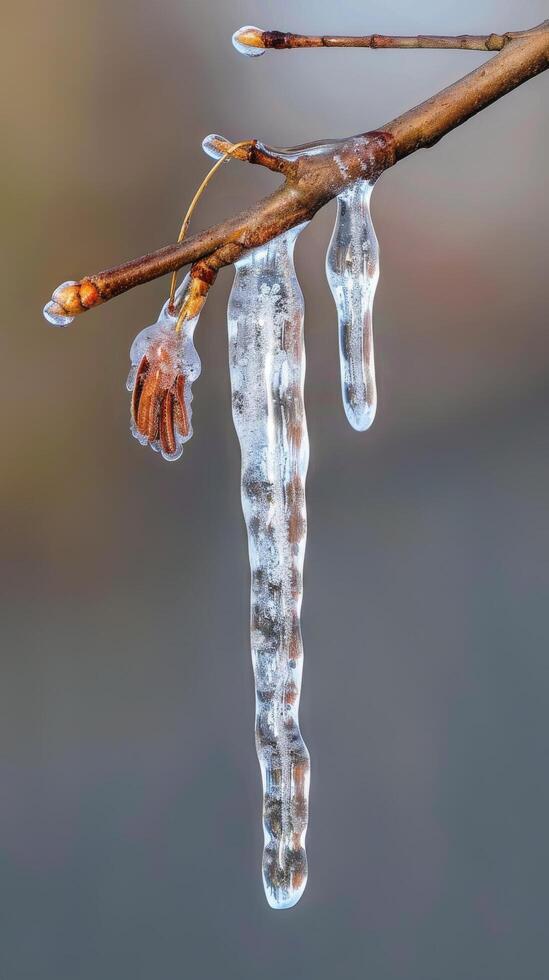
x=183, y=312
x=188, y=216
x=523, y=57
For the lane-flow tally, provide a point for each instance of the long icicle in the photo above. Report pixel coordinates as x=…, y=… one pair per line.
x=352, y=269
x=267, y=368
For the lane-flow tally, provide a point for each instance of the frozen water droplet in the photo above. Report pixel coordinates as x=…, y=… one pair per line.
x=208, y=145
x=267, y=367
x=52, y=315
x=352, y=269
x=248, y=41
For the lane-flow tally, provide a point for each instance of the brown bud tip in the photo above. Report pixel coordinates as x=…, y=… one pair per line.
x=249, y=41
x=62, y=308
x=69, y=299
x=68, y=296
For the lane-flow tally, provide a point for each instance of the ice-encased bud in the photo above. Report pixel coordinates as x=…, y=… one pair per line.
x=165, y=364
x=54, y=313
x=352, y=269
x=209, y=147
x=249, y=41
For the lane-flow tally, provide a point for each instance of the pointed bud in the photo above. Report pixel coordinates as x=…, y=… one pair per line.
x=249, y=41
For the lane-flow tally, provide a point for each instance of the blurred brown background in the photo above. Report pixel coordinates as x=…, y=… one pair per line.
x=130, y=835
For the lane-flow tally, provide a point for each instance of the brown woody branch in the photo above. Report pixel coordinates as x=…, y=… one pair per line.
x=254, y=37
x=314, y=178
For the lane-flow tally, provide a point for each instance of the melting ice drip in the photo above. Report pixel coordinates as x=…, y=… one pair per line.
x=164, y=365
x=352, y=268
x=267, y=367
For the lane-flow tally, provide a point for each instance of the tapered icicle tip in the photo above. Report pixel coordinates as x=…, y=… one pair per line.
x=249, y=41
x=284, y=897
x=360, y=416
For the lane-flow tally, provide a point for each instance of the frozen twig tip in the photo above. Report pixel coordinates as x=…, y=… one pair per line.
x=249, y=41
x=252, y=41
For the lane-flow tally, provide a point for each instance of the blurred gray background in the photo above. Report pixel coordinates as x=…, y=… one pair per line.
x=130, y=835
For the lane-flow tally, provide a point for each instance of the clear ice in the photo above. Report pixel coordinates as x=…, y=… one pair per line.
x=50, y=310
x=267, y=368
x=288, y=152
x=247, y=41
x=165, y=363
x=209, y=147
x=352, y=268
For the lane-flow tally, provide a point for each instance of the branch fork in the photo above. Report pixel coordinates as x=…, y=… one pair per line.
x=315, y=173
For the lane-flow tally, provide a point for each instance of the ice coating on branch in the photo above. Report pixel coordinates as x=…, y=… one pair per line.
x=316, y=148
x=211, y=143
x=249, y=41
x=352, y=268
x=267, y=367
x=164, y=365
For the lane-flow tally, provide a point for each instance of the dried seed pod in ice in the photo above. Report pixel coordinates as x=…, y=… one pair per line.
x=164, y=365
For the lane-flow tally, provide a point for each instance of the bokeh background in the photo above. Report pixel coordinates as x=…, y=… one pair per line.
x=130, y=835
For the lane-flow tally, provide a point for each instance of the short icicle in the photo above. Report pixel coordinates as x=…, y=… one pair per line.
x=267, y=368
x=352, y=268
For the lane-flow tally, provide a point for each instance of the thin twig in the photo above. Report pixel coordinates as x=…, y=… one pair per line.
x=226, y=155
x=313, y=179
x=254, y=37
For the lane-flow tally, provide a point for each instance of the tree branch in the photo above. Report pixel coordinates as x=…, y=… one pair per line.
x=314, y=174
x=253, y=41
